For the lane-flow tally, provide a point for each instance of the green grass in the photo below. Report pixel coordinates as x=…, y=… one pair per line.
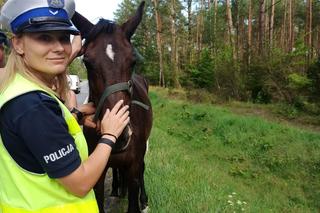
x=204, y=158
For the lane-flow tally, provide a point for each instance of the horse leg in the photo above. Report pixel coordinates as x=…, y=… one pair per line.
x=119, y=183
x=115, y=182
x=143, y=194
x=99, y=192
x=133, y=189
x=123, y=183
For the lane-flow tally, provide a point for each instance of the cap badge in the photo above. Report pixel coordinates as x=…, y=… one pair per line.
x=54, y=12
x=56, y=3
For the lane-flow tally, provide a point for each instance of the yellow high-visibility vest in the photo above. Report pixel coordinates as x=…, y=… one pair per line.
x=25, y=192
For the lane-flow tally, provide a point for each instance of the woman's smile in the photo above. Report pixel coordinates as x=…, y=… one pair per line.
x=58, y=60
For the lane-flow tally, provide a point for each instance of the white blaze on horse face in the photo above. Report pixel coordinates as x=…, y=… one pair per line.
x=109, y=52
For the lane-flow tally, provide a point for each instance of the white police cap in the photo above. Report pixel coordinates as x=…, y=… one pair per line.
x=38, y=15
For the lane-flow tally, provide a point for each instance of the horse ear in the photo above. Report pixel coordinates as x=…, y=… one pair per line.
x=83, y=24
x=131, y=25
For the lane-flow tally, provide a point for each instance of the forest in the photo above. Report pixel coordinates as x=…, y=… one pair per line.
x=261, y=51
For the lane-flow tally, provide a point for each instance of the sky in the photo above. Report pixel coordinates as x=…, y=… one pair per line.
x=95, y=9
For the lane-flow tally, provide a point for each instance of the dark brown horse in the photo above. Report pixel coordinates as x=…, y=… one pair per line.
x=110, y=59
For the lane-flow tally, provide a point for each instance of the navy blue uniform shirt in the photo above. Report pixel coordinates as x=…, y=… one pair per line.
x=36, y=135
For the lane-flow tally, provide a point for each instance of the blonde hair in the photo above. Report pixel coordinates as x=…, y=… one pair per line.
x=15, y=64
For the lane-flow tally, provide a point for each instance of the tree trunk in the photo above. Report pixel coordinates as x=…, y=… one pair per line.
x=271, y=24
x=237, y=28
x=174, y=53
x=209, y=28
x=215, y=11
x=283, y=26
x=230, y=28
x=308, y=37
x=290, y=28
x=266, y=24
x=200, y=27
x=189, y=53
x=159, y=43
x=249, y=33
x=261, y=27
x=242, y=34
x=293, y=25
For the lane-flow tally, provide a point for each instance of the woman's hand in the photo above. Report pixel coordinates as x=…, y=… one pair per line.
x=114, y=121
x=88, y=111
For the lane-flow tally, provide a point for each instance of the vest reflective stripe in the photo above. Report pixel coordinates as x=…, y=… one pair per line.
x=24, y=192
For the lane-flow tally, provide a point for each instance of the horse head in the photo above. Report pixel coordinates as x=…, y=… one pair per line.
x=109, y=57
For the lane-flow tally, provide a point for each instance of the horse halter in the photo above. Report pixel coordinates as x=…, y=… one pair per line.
x=123, y=86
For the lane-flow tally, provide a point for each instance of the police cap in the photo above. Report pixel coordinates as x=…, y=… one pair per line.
x=38, y=15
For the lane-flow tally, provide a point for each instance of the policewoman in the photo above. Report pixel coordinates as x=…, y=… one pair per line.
x=44, y=162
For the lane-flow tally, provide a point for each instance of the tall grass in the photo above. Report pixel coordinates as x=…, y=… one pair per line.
x=203, y=158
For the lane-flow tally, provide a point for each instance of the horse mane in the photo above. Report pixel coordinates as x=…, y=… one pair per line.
x=104, y=25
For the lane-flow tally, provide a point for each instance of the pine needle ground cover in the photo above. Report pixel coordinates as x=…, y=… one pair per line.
x=204, y=158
